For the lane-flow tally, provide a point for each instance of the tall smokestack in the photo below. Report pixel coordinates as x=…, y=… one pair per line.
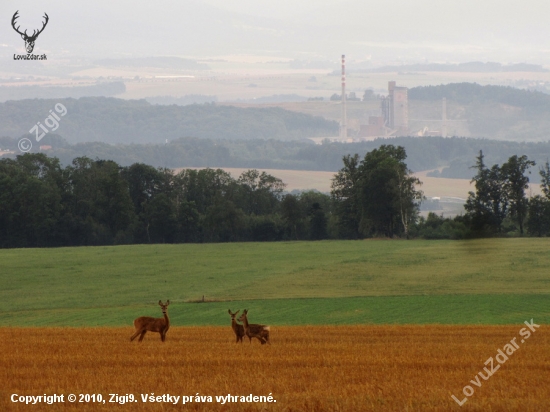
x=344, y=126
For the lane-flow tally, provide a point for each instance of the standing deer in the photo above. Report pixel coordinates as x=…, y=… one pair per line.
x=147, y=323
x=252, y=330
x=237, y=328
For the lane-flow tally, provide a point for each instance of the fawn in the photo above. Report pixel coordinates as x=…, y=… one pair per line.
x=147, y=323
x=252, y=330
x=237, y=328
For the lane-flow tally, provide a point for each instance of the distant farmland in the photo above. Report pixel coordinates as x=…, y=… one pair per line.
x=319, y=180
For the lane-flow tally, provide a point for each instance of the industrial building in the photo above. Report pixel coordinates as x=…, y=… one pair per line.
x=394, y=120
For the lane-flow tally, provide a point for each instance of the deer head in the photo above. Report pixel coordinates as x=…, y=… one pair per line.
x=232, y=314
x=29, y=40
x=164, y=306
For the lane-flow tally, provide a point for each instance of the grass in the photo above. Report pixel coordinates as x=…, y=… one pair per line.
x=466, y=309
x=458, y=282
x=315, y=368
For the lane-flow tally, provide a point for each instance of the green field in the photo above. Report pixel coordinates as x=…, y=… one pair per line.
x=494, y=281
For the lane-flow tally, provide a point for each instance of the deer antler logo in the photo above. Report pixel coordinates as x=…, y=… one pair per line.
x=29, y=40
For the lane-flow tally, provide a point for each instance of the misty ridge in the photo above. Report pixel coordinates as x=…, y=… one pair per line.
x=113, y=121
x=493, y=112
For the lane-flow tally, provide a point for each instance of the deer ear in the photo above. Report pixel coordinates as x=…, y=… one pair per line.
x=160, y=302
x=167, y=302
x=237, y=311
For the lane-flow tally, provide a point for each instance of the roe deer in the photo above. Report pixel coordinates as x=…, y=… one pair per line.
x=147, y=323
x=252, y=330
x=237, y=328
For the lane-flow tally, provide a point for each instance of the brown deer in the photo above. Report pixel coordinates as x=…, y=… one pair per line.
x=252, y=330
x=237, y=328
x=147, y=323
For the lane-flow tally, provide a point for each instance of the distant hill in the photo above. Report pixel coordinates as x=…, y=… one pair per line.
x=471, y=93
x=470, y=67
x=107, y=89
x=494, y=112
x=114, y=120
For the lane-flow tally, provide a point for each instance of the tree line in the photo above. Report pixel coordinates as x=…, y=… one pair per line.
x=423, y=153
x=499, y=205
x=99, y=202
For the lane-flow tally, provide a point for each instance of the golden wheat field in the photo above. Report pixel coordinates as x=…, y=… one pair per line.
x=313, y=368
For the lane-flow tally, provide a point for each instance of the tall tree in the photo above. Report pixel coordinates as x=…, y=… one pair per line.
x=516, y=182
x=260, y=192
x=545, y=180
x=345, y=193
x=487, y=207
x=538, y=222
x=377, y=196
x=387, y=192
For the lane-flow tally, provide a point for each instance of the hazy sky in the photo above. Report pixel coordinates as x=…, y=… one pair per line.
x=389, y=31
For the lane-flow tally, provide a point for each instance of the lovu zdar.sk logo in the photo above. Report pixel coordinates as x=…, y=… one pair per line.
x=29, y=39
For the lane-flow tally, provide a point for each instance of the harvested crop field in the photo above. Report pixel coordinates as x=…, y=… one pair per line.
x=307, y=368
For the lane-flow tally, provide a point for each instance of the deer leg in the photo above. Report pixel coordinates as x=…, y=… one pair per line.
x=142, y=335
x=134, y=335
x=163, y=336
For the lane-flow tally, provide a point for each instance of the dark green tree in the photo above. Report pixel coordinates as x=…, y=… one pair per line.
x=515, y=183
x=387, y=192
x=317, y=222
x=377, y=196
x=31, y=193
x=346, y=195
x=292, y=216
x=100, y=202
x=487, y=207
x=259, y=192
x=538, y=221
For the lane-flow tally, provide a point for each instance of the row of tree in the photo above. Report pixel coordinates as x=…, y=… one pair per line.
x=500, y=194
x=99, y=202
x=498, y=206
